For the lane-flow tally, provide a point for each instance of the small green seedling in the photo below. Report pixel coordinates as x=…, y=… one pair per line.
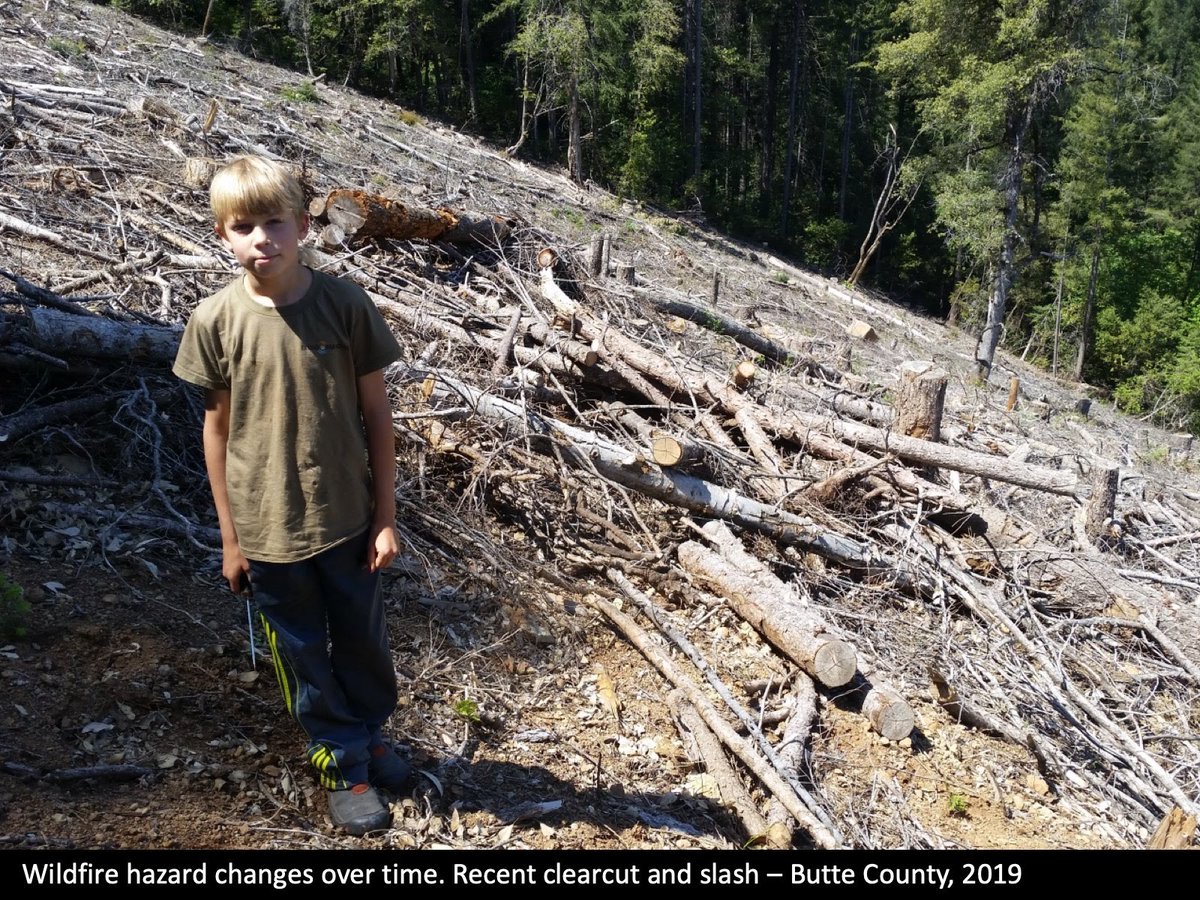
x=467, y=709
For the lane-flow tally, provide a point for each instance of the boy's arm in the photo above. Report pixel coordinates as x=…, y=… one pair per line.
x=384, y=543
x=234, y=565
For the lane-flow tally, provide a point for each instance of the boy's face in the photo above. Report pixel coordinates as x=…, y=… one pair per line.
x=268, y=245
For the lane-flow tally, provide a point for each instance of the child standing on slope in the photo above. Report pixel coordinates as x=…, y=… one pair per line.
x=300, y=453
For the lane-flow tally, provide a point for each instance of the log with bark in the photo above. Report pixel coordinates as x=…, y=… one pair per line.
x=768, y=606
x=362, y=216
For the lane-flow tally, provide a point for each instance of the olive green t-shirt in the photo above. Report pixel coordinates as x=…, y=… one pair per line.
x=296, y=462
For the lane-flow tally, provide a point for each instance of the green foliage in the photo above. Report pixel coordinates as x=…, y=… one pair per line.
x=824, y=240
x=305, y=92
x=1157, y=455
x=1143, y=343
x=570, y=214
x=68, y=48
x=467, y=709
x=14, y=609
x=958, y=805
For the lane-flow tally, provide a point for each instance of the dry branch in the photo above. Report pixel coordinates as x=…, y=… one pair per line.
x=722, y=324
x=729, y=786
x=823, y=836
x=591, y=452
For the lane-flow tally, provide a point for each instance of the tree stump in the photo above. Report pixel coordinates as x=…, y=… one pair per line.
x=626, y=273
x=605, y=254
x=595, y=254
x=1014, y=391
x=920, y=400
x=1175, y=832
x=198, y=172
x=1106, y=477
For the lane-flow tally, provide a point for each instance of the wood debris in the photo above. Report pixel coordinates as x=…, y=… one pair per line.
x=557, y=427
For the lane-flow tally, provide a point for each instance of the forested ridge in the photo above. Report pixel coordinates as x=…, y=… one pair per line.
x=1028, y=169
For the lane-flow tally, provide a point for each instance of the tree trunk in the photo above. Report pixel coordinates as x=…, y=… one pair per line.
x=789, y=160
x=697, y=88
x=766, y=179
x=1088, y=326
x=525, y=116
x=574, y=145
x=847, y=122
x=469, y=58
x=985, y=353
x=207, y=18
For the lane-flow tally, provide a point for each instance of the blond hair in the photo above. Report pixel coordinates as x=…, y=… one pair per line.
x=252, y=185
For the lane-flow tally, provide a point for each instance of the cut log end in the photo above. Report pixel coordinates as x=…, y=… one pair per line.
x=744, y=373
x=834, y=663
x=666, y=450
x=547, y=258
x=889, y=714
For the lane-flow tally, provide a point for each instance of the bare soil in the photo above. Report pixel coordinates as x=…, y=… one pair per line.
x=157, y=673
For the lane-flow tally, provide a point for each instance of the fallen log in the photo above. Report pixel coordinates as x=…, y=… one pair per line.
x=722, y=324
x=363, y=216
x=816, y=441
x=798, y=426
x=680, y=452
x=775, y=613
x=101, y=338
x=770, y=606
x=889, y=713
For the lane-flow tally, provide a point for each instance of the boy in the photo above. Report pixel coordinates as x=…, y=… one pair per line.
x=300, y=453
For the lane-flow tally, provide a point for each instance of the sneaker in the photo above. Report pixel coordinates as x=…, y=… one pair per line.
x=358, y=810
x=387, y=770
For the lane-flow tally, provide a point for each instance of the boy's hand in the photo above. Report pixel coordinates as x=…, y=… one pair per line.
x=236, y=568
x=382, y=549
